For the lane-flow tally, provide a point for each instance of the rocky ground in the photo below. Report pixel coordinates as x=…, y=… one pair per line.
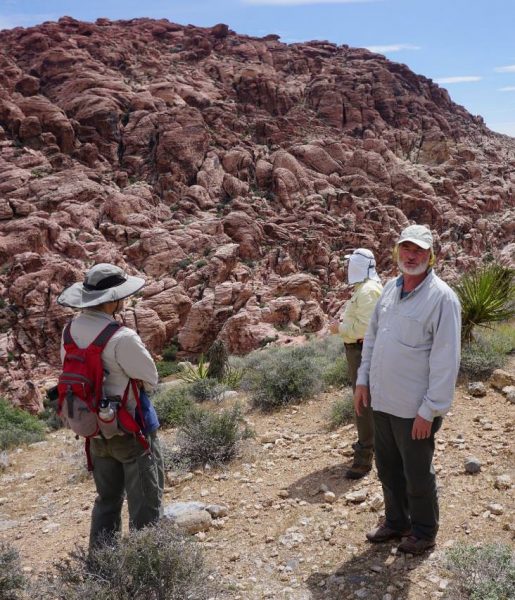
x=295, y=527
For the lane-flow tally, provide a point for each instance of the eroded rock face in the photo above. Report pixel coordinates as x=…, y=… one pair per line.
x=231, y=172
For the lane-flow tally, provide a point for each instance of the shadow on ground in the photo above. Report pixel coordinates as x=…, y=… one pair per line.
x=309, y=487
x=372, y=571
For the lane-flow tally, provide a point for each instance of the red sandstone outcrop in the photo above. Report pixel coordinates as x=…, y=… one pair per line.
x=232, y=172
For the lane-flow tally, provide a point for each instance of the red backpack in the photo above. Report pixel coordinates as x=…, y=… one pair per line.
x=81, y=402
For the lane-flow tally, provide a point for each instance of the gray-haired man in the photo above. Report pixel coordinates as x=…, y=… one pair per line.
x=409, y=366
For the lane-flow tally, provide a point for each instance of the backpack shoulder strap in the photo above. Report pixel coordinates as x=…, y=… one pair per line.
x=67, y=336
x=106, y=334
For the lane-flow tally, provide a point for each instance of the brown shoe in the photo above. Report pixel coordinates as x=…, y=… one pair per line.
x=358, y=471
x=415, y=545
x=383, y=533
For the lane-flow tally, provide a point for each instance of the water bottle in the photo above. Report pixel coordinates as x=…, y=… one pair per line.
x=105, y=411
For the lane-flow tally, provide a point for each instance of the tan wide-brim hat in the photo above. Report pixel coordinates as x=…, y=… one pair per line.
x=103, y=283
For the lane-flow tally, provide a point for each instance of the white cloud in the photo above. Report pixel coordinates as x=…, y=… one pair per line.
x=304, y=2
x=509, y=88
x=458, y=79
x=506, y=69
x=392, y=48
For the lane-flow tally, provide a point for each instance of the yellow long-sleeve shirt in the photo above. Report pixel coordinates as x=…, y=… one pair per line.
x=358, y=310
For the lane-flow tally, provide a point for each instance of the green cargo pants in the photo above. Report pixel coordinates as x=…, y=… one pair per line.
x=122, y=467
x=364, y=447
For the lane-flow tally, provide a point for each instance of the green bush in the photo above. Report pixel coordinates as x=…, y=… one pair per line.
x=206, y=437
x=279, y=376
x=487, y=295
x=479, y=359
x=154, y=563
x=172, y=404
x=336, y=374
x=501, y=337
x=49, y=415
x=165, y=368
x=233, y=377
x=481, y=572
x=207, y=390
x=170, y=352
x=18, y=427
x=342, y=411
x=11, y=576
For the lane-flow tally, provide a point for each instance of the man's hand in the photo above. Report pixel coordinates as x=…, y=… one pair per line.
x=421, y=428
x=361, y=398
x=334, y=326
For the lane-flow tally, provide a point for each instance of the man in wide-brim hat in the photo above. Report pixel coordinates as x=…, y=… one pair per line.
x=120, y=464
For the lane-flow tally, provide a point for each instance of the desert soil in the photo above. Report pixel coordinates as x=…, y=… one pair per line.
x=281, y=539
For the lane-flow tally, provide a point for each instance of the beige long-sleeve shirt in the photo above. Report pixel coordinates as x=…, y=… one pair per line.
x=358, y=310
x=124, y=356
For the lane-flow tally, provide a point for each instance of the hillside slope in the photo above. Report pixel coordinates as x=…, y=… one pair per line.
x=232, y=172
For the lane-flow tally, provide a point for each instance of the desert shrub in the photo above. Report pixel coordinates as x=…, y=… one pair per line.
x=205, y=390
x=280, y=376
x=170, y=352
x=49, y=414
x=172, y=405
x=337, y=373
x=501, y=337
x=481, y=572
x=154, y=563
x=18, y=427
x=479, y=359
x=487, y=295
x=208, y=437
x=166, y=368
x=190, y=373
x=11, y=575
x=342, y=411
x=233, y=376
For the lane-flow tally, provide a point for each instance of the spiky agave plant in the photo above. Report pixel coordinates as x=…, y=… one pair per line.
x=487, y=295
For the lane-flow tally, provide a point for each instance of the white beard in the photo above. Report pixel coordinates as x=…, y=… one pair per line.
x=412, y=270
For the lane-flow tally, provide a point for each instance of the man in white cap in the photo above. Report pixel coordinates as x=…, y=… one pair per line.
x=121, y=464
x=352, y=325
x=409, y=366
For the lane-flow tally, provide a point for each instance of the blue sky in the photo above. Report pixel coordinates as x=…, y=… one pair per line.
x=468, y=46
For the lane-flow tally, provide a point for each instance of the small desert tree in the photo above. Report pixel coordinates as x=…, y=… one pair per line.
x=218, y=360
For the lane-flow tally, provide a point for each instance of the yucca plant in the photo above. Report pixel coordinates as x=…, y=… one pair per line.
x=487, y=295
x=192, y=373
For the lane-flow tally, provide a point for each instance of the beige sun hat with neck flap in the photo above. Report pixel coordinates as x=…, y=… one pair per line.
x=103, y=283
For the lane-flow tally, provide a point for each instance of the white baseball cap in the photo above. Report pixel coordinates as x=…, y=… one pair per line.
x=418, y=234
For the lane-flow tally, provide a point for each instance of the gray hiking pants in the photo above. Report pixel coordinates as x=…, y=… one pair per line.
x=364, y=447
x=405, y=468
x=121, y=467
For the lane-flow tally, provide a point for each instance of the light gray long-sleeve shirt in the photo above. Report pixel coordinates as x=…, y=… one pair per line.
x=124, y=356
x=411, y=352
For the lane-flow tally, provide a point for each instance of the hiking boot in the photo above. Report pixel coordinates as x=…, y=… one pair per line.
x=416, y=545
x=383, y=533
x=357, y=471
